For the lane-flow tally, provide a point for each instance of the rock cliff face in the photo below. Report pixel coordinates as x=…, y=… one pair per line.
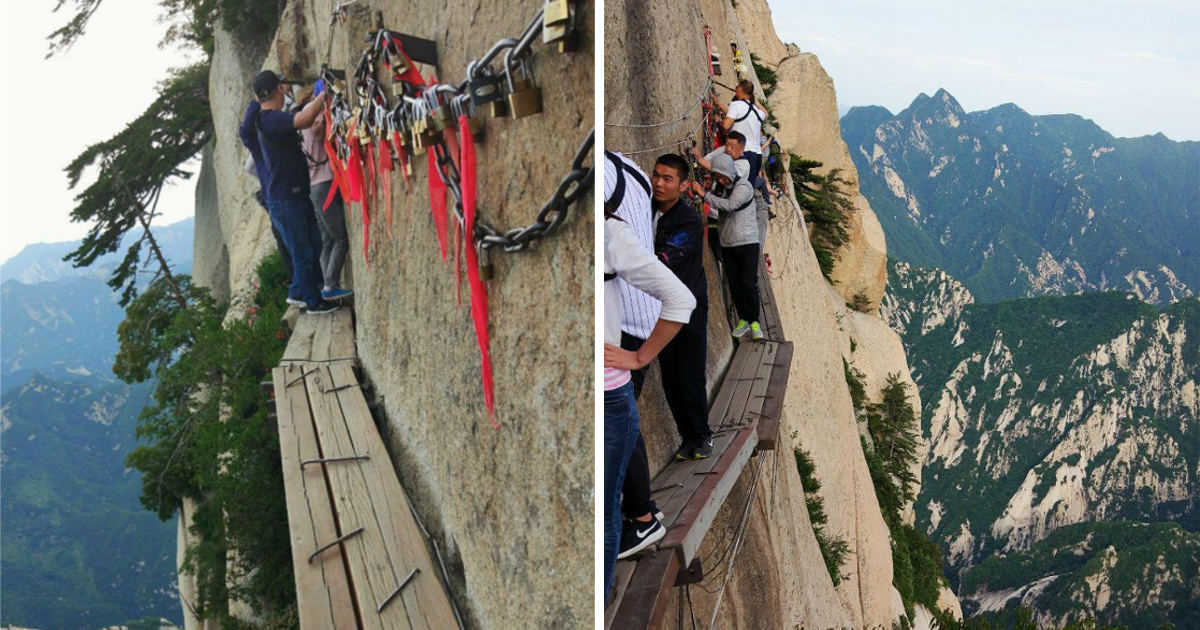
x=654, y=70
x=511, y=509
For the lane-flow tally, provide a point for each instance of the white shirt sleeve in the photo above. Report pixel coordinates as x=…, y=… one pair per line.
x=632, y=263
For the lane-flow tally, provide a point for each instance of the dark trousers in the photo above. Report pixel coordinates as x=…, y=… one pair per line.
x=682, y=362
x=635, y=492
x=279, y=244
x=296, y=221
x=755, y=160
x=741, y=269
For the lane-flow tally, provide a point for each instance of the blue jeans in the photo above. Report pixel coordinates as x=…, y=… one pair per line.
x=621, y=430
x=298, y=224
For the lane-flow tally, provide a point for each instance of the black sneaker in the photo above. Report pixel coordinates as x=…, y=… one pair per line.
x=685, y=452
x=322, y=307
x=703, y=450
x=636, y=536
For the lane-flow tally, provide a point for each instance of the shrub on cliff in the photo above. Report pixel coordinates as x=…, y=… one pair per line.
x=827, y=208
x=204, y=436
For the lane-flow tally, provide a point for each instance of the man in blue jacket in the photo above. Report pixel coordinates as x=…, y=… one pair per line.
x=288, y=186
x=679, y=244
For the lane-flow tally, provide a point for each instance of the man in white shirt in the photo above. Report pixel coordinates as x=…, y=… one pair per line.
x=746, y=117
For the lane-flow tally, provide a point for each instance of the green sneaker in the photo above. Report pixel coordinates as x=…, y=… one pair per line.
x=756, y=333
x=743, y=327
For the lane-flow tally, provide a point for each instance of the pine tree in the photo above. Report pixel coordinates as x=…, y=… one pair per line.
x=827, y=208
x=893, y=428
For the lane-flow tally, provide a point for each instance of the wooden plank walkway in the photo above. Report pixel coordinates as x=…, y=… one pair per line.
x=744, y=419
x=361, y=561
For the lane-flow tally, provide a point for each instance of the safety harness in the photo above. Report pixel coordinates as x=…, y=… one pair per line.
x=751, y=109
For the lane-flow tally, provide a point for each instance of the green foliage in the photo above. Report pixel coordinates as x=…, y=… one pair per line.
x=766, y=76
x=854, y=380
x=1016, y=188
x=893, y=428
x=78, y=550
x=1144, y=565
x=207, y=438
x=1018, y=618
x=826, y=206
x=134, y=165
x=190, y=23
x=833, y=548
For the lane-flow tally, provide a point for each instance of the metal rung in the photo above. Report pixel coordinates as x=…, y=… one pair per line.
x=331, y=544
x=339, y=388
x=396, y=592
x=674, y=485
x=303, y=375
x=326, y=460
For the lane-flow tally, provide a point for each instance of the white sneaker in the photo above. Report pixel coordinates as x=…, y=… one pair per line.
x=743, y=327
x=296, y=303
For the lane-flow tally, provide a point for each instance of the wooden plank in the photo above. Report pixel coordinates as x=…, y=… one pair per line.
x=290, y=316
x=699, y=513
x=758, y=387
x=342, y=337
x=323, y=337
x=425, y=598
x=622, y=574
x=299, y=346
x=644, y=602
x=741, y=384
x=692, y=475
x=768, y=422
x=371, y=567
x=322, y=589
x=725, y=394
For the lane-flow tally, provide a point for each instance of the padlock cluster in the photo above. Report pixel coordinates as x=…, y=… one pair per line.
x=368, y=117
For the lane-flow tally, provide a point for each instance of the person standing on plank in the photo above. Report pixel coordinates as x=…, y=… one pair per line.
x=626, y=258
x=288, y=186
x=630, y=199
x=255, y=166
x=733, y=200
x=679, y=244
x=331, y=221
x=746, y=117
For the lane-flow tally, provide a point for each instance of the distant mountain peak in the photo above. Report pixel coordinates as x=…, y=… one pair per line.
x=941, y=107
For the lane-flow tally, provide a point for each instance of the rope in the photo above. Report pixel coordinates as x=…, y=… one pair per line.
x=738, y=541
x=685, y=116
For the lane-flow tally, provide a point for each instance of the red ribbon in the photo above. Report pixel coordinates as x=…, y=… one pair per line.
x=479, y=306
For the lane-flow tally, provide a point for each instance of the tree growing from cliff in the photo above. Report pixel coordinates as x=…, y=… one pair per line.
x=826, y=207
x=205, y=437
x=833, y=548
x=132, y=167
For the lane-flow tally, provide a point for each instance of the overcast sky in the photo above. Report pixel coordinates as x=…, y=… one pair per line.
x=55, y=108
x=1132, y=67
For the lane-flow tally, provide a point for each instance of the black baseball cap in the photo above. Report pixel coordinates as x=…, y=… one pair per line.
x=265, y=84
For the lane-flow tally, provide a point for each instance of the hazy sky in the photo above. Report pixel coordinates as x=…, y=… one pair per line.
x=1132, y=67
x=55, y=108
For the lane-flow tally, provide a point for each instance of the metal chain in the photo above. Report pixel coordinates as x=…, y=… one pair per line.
x=569, y=191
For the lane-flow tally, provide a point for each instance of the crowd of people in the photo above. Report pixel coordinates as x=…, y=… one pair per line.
x=656, y=301
x=285, y=134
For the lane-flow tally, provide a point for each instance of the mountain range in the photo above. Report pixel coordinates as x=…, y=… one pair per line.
x=79, y=552
x=1017, y=205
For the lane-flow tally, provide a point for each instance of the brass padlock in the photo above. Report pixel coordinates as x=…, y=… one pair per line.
x=524, y=98
x=397, y=88
x=555, y=18
x=418, y=141
x=443, y=119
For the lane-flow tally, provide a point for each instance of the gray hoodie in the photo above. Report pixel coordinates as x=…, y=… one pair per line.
x=736, y=227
